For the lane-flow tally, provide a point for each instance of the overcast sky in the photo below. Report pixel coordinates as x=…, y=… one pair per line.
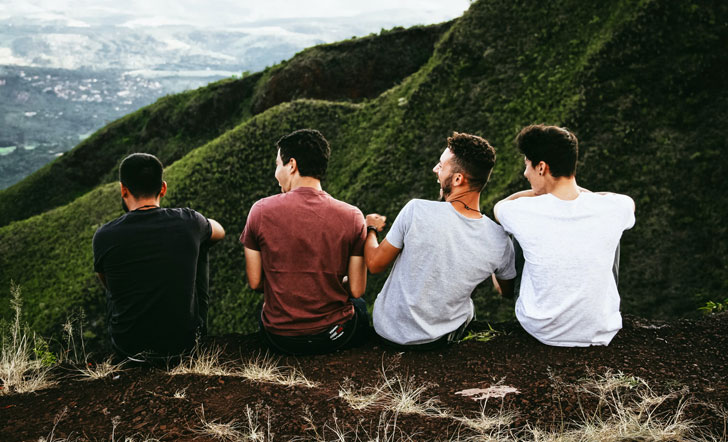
x=212, y=13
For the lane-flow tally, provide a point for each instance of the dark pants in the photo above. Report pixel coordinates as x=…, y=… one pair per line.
x=443, y=341
x=338, y=336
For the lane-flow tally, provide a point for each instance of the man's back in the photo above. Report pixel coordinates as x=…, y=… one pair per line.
x=444, y=256
x=305, y=238
x=568, y=294
x=149, y=259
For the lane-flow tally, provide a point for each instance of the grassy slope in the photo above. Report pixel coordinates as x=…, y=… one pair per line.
x=355, y=69
x=643, y=100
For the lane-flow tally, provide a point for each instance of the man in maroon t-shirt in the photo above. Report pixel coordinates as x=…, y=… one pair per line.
x=305, y=250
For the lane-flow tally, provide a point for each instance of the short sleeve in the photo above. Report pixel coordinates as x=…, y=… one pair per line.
x=204, y=226
x=249, y=237
x=401, y=224
x=629, y=219
x=507, y=266
x=625, y=208
x=360, y=234
x=502, y=212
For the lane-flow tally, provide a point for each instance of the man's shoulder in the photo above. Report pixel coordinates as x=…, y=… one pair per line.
x=420, y=204
x=344, y=206
x=269, y=201
x=611, y=200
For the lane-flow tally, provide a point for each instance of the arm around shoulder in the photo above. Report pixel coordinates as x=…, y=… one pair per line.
x=515, y=196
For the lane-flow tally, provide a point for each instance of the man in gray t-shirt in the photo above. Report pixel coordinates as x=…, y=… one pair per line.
x=441, y=252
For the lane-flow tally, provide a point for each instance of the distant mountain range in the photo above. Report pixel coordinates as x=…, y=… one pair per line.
x=61, y=80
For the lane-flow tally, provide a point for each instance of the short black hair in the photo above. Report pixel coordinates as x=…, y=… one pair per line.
x=474, y=157
x=141, y=173
x=309, y=148
x=553, y=145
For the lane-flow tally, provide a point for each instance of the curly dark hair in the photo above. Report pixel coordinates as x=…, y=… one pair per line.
x=553, y=145
x=309, y=148
x=474, y=157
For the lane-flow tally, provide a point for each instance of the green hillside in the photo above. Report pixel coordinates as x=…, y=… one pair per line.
x=641, y=84
x=352, y=70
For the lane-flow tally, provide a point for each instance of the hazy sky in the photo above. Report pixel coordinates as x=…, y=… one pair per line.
x=212, y=13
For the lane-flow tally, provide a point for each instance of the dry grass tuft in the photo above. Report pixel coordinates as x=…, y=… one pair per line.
x=393, y=393
x=364, y=398
x=21, y=368
x=386, y=430
x=204, y=362
x=101, y=370
x=492, y=426
x=404, y=396
x=234, y=431
x=628, y=409
x=266, y=369
x=231, y=431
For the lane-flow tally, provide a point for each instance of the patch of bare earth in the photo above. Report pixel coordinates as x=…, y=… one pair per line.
x=656, y=381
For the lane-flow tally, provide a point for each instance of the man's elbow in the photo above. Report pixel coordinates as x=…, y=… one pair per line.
x=375, y=268
x=357, y=292
x=255, y=283
x=218, y=232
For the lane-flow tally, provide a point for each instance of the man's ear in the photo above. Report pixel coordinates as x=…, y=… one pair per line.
x=163, y=190
x=292, y=165
x=458, y=179
x=543, y=168
x=124, y=190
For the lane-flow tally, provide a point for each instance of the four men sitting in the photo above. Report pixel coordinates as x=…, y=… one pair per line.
x=309, y=253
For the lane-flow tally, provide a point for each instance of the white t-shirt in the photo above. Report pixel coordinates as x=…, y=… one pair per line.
x=568, y=294
x=444, y=256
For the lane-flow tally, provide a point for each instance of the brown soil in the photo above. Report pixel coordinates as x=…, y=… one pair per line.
x=687, y=358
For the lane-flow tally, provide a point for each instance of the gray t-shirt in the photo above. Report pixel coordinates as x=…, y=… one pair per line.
x=444, y=257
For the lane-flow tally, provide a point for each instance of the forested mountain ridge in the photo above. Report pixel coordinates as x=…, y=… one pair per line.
x=640, y=83
x=352, y=70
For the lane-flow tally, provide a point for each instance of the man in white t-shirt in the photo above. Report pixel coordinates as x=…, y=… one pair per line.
x=568, y=293
x=441, y=251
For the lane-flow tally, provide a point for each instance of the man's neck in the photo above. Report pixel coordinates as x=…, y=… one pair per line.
x=305, y=181
x=142, y=204
x=467, y=203
x=564, y=188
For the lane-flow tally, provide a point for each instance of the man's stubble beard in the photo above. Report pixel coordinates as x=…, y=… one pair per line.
x=446, y=188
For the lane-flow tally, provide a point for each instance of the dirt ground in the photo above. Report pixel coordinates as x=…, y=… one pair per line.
x=683, y=362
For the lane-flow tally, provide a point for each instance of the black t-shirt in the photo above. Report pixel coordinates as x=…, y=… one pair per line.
x=150, y=260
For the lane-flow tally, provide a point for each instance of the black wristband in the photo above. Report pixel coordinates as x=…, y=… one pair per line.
x=374, y=229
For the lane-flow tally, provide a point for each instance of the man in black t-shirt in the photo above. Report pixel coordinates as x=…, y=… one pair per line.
x=153, y=263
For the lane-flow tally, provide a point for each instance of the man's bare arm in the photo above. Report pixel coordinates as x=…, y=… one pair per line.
x=515, y=196
x=102, y=278
x=357, y=275
x=254, y=269
x=218, y=232
x=378, y=256
x=504, y=287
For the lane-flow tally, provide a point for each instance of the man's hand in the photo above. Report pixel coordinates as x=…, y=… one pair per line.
x=377, y=221
x=378, y=256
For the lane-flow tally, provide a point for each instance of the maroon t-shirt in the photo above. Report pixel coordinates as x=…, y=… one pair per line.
x=305, y=238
